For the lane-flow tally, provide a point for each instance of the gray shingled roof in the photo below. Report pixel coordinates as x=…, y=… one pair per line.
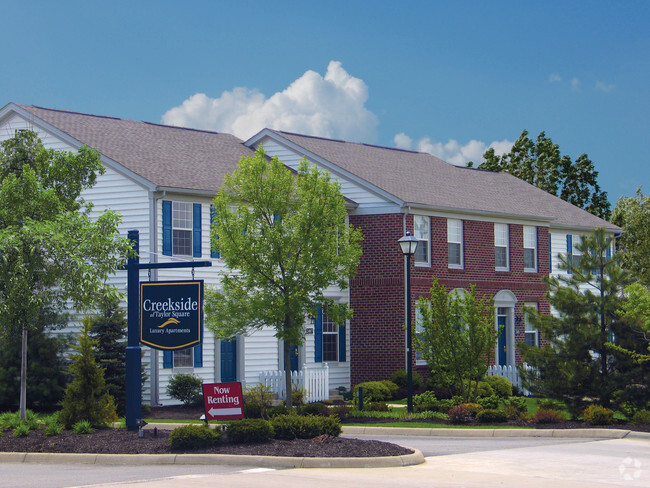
x=166, y=156
x=422, y=179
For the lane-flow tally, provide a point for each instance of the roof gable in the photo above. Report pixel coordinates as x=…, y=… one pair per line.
x=166, y=156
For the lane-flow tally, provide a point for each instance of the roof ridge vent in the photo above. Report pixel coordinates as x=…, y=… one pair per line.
x=76, y=113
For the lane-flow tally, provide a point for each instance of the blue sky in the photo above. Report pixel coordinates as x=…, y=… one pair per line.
x=451, y=78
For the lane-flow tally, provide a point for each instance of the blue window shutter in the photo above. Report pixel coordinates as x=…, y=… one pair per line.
x=196, y=230
x=608, y=252
x=318, y=337
x=198, y=356
x=213, y=213
x=569, y=250
x=341, y=343
x=168, y=359
x=167, y=228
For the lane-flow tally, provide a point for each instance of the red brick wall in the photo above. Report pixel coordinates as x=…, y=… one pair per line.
x=377, y=335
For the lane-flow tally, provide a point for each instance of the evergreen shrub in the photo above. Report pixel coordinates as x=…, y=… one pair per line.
x=502, y=386
x=190, y=437
x=642, y=417
x=491, y=415
x=248, y=431
x=186, y=388
x=597, y=415
x=305, y=427
x=316, y=408
x=392, y=387
x=373, y=391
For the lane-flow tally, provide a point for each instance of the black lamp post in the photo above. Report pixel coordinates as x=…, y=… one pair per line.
x=409, y=244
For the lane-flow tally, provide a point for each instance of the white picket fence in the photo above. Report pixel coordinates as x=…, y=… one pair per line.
x=314, y=380
x=511, y=373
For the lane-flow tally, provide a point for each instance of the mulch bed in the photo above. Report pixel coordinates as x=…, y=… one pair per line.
x=122, y=441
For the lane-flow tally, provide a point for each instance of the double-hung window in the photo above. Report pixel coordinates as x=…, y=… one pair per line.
x=573, y=253
x=530, y=248
x=422, y=232
x=531, y=337
x=181, y=228
x=329, y=339
x=455, y=243
x=501, y=247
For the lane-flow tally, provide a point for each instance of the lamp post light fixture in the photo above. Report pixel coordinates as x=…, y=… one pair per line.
x=409, y=244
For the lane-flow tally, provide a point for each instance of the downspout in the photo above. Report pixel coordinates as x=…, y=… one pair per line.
x=153, y=258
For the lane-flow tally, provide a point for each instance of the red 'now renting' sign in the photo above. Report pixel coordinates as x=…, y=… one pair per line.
x=223, y=401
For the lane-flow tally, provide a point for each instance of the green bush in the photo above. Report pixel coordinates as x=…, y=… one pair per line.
x=305, y=427
x=642, y=417
x=52, y=425
x=248, y=431
x=392, y=387
x=83, y=427
x=399, y=377
x=545, y=416
x=252, y=410
x=517, y=403
x=278, y=410
x=316, y=408
x=378, y=407
x=597, y=415
x=426, y=397
x=261, y=395
x=502, y=386
x=186, y=388
x=190, y=437
x=483, y=389
x=491, y=415
x=373, y=391
x=298, y=395
x=489, y=402
x=21, y=430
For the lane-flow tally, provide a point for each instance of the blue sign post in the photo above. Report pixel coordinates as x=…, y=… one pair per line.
x=133, y=350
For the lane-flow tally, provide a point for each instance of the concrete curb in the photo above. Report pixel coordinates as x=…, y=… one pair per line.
x=306, y=462
x=560, y=433
x=213, y=459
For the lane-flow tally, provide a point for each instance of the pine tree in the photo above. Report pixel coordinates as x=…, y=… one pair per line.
x=108, y=330
x=576, y=365
x=86, y=397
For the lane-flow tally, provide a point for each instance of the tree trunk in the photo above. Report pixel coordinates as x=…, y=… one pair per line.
x=23, y=375
x=287, y=373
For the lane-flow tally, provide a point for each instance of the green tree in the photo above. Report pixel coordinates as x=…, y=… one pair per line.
x=636, y=308
x=86, y=397
x=633, y=246
x=576, y=362
x=541, y=164
x=51, y=251
x=46, y=367
x=283, y=235
x=108, y=330
x=457, y=337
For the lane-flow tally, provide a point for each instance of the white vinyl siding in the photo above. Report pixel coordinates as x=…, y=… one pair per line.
x=530, y=248
x=422, y=232
x=501, y=247
x=455, y=243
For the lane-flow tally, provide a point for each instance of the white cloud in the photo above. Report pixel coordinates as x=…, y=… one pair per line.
x=330, y=106
x=554, y=78
x=604, y=86
x=452, y=151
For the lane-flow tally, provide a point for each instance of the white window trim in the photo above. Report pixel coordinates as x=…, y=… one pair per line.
x=531, y=245
x=190, y=229
x=460, y=227
x=501, y=244
x=423, y=242
x=528, y=329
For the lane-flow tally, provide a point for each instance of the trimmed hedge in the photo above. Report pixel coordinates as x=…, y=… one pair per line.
x=190, y=437
x=248, y=431
x=305, y=427
x=502, y=386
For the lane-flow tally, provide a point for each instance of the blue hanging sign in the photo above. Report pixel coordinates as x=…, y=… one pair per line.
x=171, y=314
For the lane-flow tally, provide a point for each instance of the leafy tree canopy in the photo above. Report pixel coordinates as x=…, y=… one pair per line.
x=633, y=246
x=457, y=337
x=541, y=164
x=285, y=238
